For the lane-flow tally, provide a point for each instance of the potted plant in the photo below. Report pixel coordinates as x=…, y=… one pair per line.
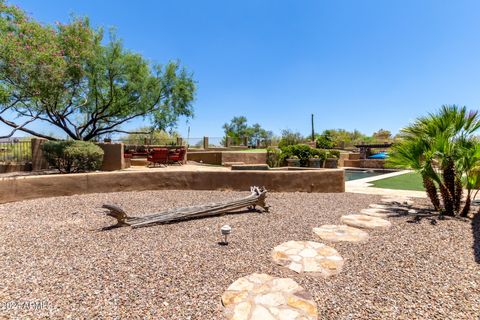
x=331, y=160
x=293, y=161
x=315, y=162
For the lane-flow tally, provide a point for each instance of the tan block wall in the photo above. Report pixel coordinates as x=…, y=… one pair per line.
x=245, y=157
x=372, y=163
x=351, y=163
x=38, y=160
x=11, y=167
x=31, y=187
x=218, y=158
x=342, y=158
x=113, y=156
x=354, y=156
x=207, y=157
x=366, y=163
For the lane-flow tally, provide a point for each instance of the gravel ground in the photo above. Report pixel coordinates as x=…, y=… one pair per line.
x=54, y=255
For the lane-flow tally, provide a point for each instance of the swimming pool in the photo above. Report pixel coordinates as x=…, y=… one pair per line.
x=360, y=174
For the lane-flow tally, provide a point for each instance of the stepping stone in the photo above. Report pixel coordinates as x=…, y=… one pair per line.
x=381, y=213
x=308, y=256
x=337, y=233
x=386, y=206
x=263, y=297
x=379, y=206
x=397, y=200
x=364, y=221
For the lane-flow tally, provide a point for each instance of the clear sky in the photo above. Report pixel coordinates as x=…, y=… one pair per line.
x=355, y=64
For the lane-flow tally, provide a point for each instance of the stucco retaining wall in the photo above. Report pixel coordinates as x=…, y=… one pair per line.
x=31, y=187
x=207, y=157
x=365, y=163
x=113, y=156
x=245, y=157
x=219, y=158
x=13, y=167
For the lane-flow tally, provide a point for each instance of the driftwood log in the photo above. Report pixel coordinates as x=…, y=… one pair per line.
x=256, y=198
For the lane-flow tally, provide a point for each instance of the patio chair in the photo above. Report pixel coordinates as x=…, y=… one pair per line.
x=178, y=156
x=158, y=155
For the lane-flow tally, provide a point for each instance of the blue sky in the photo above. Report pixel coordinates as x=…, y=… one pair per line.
x=355, y=64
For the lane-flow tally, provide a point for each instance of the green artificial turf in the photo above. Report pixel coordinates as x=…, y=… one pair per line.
x=408, y=181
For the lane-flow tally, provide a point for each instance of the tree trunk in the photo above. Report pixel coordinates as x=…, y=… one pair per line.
x=466, y=207
x=449, y=177
x=432, y=192
x=447, y=201
x=458, y=194
x=448, y=188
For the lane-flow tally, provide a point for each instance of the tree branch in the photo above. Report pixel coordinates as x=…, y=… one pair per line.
x=22, y=128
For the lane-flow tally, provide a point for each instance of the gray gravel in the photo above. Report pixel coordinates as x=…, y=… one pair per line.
x=53, y=254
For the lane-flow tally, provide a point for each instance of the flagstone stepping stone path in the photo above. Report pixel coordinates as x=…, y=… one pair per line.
x=308, y=256
x=263, y=297
x=364, y=221
x=336, y=233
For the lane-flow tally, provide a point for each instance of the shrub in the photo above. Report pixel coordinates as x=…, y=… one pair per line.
x=73, y=156
x=324, y=141
x=277, y=157
x=274, y=158
x=303, y=152
x=332, y=154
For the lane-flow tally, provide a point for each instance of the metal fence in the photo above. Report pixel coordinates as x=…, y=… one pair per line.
x=15, y=151
x=194, y=142
x=199, y=143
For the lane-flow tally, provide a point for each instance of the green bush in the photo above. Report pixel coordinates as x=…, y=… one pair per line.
x=303, y=152
x=332, y=154
x=277, y=157
x=274, y=158
x=73, y=156
x=324, y=142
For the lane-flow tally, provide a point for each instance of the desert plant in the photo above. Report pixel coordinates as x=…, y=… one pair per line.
x=274, y=158
x=73, y=156
x=325, y=141
x=301, y=151
x=335, y=154
x=443, y=149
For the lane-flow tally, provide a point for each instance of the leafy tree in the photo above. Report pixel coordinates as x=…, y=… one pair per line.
x=325, y=140
x=290, y=138
x=340, y=137
x=257, y=133
x=382, y=135
x=238, y=128
x=64, y=76
x=443, y=149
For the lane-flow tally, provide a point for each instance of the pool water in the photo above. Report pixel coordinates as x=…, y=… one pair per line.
x=357, y=174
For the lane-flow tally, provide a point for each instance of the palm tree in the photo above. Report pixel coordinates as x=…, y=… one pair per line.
x=413, y=153
x=441, y=147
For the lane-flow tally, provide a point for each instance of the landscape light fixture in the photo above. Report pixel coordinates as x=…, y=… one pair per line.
x=226, y=230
